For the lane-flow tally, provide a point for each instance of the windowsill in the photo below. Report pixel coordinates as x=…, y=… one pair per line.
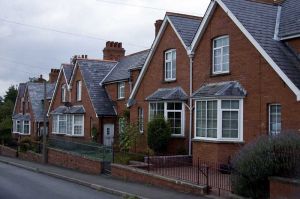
x=218, y=141
x=121, y=99
x=220, y=74
x=57, y=133
x=74, y=135
x=169, y=81
x=177, y=136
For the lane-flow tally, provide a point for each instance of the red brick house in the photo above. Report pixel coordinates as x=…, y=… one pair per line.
x=28, y=114
x=163, y=86
x=245, y=76
x=90, y=95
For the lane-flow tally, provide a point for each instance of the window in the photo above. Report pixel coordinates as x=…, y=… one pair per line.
x=78, y=90
x=78, y=125
x=141, y=119
x=63, y=93
x=121, y=90
x=274, y=118
x=219, y=120
x=26, y=127
x=72, y=125
x=19, y=126
x=170, y=65
x=122, y=123
x=156, y=110
x=171, y=111
x=221, y=55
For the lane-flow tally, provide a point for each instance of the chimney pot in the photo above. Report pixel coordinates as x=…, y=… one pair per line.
x=113, y=51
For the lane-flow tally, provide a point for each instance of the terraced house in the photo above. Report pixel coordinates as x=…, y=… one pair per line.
x=90, y=94
x=28, y=114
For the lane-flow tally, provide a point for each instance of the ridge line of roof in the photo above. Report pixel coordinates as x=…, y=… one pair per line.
x=183, y=15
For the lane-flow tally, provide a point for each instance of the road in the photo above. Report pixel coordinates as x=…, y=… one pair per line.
x=18, y=183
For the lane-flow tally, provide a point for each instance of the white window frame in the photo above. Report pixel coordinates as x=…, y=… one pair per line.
x=182, y=111
x=121, y=90
x=20, y=123
x=219, y=121
x=274, y=132
x=72, y=134
x=222, y=71
x=24, y=127
x=79, y=90
x=141, y=119
x=171, y=61
x=63, y=93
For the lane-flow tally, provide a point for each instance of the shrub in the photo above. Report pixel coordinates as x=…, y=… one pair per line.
x=159, y=133
x=128, y=137
x=25, y=144
x=265, y=157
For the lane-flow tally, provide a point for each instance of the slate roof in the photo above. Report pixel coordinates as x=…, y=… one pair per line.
x=290, y=18
x=176, y=93
x=185, y=26
x=260, y=20
x=129, y=62
x=69, y=110
x=221, y=89
x=93, y=72
x=68, y=70
x=21, y=117
x=36, y=95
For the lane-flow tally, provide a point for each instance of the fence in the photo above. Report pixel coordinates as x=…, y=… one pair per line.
x=213, y=175
x=88, y=149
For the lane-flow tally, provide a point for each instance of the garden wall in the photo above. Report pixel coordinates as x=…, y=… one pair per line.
x=138, y=175
x=31, y=156
x=284, y=188
x=73, y=161
x=7, y=151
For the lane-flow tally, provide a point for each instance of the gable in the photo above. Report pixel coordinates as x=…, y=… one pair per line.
x=257, y=22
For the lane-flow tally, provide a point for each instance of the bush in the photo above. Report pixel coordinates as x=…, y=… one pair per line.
x=25, y=144
x=265, y=157
x=159, y=133
x=128, y=137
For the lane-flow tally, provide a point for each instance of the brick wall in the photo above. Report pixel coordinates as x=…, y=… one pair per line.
x=259, y=79
x=137, y=175
x=295, y=44
x=281, y=188
x=31, y=156
x=73, y=161
x=6, y=151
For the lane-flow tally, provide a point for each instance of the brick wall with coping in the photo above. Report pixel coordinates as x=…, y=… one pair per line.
x=73, y=161
x=7, y=151
x=31, y=156
x=138, y=175
x=284, y=188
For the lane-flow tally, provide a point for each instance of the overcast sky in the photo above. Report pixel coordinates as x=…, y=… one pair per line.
x=36, y=35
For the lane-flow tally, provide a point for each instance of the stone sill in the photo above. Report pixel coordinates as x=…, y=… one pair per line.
x=218, y=141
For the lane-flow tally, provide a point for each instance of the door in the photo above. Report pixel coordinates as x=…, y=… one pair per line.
x=108, y=134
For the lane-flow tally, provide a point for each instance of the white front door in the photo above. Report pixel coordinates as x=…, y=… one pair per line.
x=108, y=134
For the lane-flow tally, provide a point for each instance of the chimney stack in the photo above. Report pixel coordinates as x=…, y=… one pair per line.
x=76, y=57
x=53, y=75
x=113, y=51
x=157, y=25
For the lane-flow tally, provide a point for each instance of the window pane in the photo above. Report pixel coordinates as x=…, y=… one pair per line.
x=206, y=119
x=275, y=118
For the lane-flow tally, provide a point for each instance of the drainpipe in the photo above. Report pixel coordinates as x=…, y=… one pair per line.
x=191, y=57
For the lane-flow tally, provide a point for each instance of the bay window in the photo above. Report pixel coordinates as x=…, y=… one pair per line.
x=21, y=127
x=171, y=111
x=72, y=125
x=219, y=120
x=170, y=65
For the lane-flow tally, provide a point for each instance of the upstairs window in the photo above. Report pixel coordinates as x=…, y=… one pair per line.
x=221, y=55
x=141, y=119
x=63, y=93
x=121, y=90
x=78, y=90
x=274, y=118
x=170, y=65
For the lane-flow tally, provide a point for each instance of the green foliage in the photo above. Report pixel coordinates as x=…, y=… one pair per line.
x=125, y=157
x=126, y=114
x=95, y=134
x=25, y=144
x=267, y=156
x=11, y=94
x=159, y=133
x=128, y=137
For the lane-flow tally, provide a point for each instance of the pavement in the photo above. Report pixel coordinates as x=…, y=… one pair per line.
x=102, y=183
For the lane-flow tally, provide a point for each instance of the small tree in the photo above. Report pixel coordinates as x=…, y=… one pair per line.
x=128, y=137
x=159, y=133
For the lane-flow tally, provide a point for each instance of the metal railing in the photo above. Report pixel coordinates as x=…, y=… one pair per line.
x=86, y=149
